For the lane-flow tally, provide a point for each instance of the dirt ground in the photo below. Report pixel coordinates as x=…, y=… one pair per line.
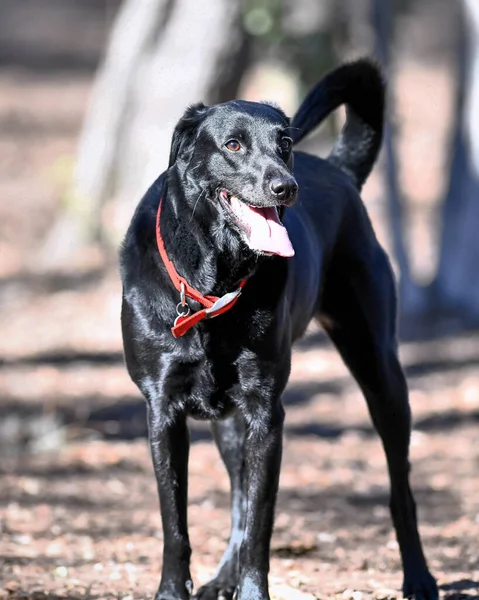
x=79, y=513
x=78, y=507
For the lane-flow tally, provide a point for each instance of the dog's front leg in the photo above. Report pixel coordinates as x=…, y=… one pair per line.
x=262, y=452
x=169, y=442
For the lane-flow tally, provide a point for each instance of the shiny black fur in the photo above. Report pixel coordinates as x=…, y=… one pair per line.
x=233, y=369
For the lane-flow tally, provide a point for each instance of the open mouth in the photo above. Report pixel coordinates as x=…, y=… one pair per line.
x=262, y=227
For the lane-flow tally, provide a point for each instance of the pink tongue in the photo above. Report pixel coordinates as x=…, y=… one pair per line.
x=265, y=230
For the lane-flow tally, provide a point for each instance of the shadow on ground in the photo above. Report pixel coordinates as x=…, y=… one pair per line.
x=457, y=590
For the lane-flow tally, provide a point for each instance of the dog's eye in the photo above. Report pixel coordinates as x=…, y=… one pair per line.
x=286, y=144
x=233, y=145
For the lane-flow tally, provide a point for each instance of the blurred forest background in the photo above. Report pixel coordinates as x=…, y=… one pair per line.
x=89, y=93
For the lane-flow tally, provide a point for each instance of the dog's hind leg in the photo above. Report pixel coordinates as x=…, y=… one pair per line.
x=229, y=437
x=360, y=303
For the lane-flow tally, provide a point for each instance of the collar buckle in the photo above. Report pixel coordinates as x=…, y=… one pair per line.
x=222, y=303
x=182, y=308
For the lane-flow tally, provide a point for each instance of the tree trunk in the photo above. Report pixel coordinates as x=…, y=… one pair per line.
x=411, y=297
x=182, y=68
x=137, y=28
x=162, y=56
x=457, y=281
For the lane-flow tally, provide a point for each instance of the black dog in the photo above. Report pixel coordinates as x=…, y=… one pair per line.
x=219, y=232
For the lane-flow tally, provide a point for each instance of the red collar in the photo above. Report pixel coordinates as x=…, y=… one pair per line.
x=214, y=306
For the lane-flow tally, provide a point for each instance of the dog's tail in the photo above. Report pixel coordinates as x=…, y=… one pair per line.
x=360, y=86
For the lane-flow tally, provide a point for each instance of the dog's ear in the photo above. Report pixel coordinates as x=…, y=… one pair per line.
x=278, y=109
x=183, y=135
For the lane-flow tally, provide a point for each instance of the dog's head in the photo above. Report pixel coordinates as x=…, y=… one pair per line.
x=240, y=155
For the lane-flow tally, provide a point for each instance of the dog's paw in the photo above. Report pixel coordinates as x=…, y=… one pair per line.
x=216, y=590
x=175, y=592
x=421, y=587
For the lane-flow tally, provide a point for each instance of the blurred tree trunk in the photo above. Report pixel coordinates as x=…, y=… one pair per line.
x=411, y=298
x=138, y=27
x=366, y=27
x=162, y=56
x=457, y=283
x=456, y=286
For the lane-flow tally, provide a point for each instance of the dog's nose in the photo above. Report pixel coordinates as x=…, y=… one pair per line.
x=284, y=189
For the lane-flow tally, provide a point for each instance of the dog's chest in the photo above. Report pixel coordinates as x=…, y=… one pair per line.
x=205, y=388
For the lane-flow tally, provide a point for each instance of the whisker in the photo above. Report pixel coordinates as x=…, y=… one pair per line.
x=196, y=204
